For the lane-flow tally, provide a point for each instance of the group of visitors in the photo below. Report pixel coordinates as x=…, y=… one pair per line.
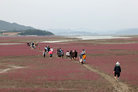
x=60, y=52
x=32, y=44
x=73, y=54
x=48, y=50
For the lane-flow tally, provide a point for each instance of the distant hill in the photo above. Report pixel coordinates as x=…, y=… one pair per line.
x=72, y=32
x=7, y=28
x=83, y=31
x=133, y=31
x=35, y=32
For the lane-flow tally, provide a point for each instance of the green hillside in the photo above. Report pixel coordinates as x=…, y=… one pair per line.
x=25, y=30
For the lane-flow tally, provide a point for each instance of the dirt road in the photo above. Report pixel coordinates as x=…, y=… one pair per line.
x=118, y=86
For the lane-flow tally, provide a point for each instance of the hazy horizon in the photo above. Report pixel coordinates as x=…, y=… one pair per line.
x=96, y=15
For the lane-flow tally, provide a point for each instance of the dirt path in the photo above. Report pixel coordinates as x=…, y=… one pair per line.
x=118, y=86
x=10, y=68
x=10, y=43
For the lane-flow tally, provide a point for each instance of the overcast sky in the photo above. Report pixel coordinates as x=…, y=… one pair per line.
x=91, y=14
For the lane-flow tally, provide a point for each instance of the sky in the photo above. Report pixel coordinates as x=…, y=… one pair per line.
x=72, y=14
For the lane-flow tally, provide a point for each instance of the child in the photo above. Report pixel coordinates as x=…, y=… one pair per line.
x=117, y=71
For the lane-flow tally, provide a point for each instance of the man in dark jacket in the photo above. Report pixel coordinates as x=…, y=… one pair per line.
x=117, y=71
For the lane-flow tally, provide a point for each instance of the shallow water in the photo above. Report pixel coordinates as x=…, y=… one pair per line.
x=98, y=37
x=85, y=38
x=56, y=41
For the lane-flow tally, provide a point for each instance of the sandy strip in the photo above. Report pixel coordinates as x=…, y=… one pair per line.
x=10, y=43
x=99, y=37
x=11, y=68
x=86, y=38
x=56, y=41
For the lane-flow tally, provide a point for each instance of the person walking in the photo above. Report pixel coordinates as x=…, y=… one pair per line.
x=76, y=54
x=117, y=71
x=67, y=54
x=83, y=52
x=44, y=54
x=84, y=58
x=80, y=59
x=50, y=53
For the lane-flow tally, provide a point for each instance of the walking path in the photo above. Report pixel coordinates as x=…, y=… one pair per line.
x=10, y=43
x=118, y=86
x=10, y=68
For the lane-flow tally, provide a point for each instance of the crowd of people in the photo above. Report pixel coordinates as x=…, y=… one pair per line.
x=48, y=50
x=32, y=44
x=73, y=54
x=60, y=52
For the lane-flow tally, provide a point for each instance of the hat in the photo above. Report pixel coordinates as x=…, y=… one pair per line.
x=117, y=63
